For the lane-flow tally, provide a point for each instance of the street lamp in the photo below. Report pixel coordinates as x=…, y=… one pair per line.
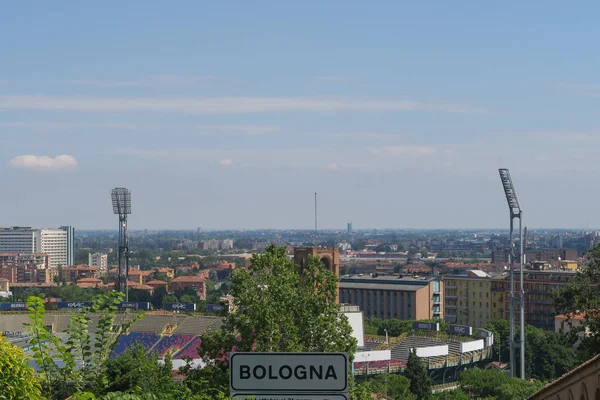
x=515, y=212
x=121, y=202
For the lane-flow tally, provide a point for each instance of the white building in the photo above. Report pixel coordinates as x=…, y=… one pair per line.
x=98, y=260
x=53, y=242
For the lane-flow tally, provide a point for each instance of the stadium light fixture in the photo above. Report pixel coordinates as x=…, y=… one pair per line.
x=515, y=212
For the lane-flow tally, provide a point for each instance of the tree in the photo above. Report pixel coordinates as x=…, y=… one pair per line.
x=394, y=327
x=456, y=394
x=60, y=381
x=581, y=296
x=395, y=386
x=281, y=307
x=136, y=369
x=17, y=379
x=420, y=382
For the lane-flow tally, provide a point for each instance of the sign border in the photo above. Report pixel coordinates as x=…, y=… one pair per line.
x=308, y=391
x=345, y=395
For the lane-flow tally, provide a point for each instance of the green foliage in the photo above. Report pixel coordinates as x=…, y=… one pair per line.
x=62, y=381
x=581, y=295
x=394, y=386
x=394, y=327
x=497, y=384
x=281, y=307
x=17, y=378
x=456, y=394
x=136, y=369
x=416, y=372
x=548, y=355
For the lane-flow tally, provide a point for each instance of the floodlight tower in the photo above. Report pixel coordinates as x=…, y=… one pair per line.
x=515, y=212
x=121, y=201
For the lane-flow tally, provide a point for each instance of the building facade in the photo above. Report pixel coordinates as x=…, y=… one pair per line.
x=468, y=300
x=393, y=297
x=70, y=244
x=472, y=300
x=99, y=260
x=53, y=242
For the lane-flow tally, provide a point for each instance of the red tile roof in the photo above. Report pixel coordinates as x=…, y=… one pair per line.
x=188, y=279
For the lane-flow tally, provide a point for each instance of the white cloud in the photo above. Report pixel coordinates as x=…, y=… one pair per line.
x=148, y=81
x=32, y=162
x=226, y=162
x=219, y=105
x=333, y=167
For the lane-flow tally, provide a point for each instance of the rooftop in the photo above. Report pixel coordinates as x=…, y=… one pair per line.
x=188, y=279
x=380, y=286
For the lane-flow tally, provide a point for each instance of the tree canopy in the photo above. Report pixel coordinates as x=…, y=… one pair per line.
x=582, y=296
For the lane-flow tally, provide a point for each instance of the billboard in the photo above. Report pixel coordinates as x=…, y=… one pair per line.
x=471, y=346
x=179, y=306
x=73, y=304
x=142, y=305
x=214, y=308
x=463, y=330
x=375, y=355
x=432, y=351
x=13, y=306
x=428, y=326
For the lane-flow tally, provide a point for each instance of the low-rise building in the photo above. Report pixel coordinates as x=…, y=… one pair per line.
x=74, y=273
x=387, y=296
x=195, y=283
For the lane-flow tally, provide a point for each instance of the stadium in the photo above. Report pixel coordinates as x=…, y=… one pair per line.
x=162, y=332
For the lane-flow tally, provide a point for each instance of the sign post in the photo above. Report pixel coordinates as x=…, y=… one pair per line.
x=289, y=376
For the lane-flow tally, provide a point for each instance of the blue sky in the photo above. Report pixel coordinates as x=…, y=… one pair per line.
x=231, y=115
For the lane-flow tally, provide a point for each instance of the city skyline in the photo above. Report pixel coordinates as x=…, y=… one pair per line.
x=397, y=115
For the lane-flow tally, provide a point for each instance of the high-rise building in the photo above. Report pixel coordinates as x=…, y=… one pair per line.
x=70, y=244
x=52, y=242
x=349, y=228
x=18, y=239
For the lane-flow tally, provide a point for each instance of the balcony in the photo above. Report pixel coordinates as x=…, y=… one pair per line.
x=449, y=286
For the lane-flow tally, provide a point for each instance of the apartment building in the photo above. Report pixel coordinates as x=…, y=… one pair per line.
x=388, y=296
x=53, y=242
x=475, y=299
x=99, y=260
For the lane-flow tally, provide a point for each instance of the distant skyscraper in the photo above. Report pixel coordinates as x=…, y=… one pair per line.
x=70, y=244
x=349, y=228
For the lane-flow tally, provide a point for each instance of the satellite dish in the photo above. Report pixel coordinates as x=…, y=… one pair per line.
x=505, y=267
x=558, y=258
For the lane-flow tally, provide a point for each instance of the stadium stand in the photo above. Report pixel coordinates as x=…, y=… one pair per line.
x=172, y=342
x=152, y=323
x=190, y=349
x=148, y=340
x=197, y=325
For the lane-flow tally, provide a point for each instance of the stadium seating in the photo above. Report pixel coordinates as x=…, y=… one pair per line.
x=148, y=340
x=197, y=325
x=190, y=349
x=152, y=323
x=172, y=342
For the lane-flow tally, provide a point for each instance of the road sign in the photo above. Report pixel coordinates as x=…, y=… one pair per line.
x=281, y=373
x=259, y=396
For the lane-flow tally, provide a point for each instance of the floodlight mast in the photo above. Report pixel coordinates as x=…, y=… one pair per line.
x=121, y=201
x=515, y=212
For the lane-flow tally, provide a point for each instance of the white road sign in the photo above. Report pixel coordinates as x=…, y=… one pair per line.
x=280, y=373
x=290, y=397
